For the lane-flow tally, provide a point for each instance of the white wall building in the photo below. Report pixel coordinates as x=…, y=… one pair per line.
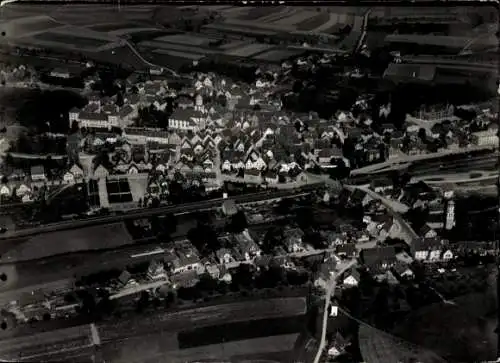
x=485, y=138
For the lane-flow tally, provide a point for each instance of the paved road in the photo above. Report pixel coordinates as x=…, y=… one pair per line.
x=331, y=289
x=407, y=233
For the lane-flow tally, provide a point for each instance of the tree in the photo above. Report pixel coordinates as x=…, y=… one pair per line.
x=422, y=135
x=238, y=222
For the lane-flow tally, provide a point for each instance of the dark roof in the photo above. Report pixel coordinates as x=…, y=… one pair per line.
x=375, y=256
x=349, y=249
x=426, y=244
x=410, y=72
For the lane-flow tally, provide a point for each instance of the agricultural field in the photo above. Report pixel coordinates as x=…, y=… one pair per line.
x=249, y=50
x=314, y=22
x=239, y=29
x=127, y=32
x=176, y=47
x=379, y=347
x=20, y=27
x=276, y=55
x=233, y=44
x=108, y=27
x=75, y=41
x=187, y=39
x=282, y=13
x=177, y=54
x=259, y=12
x=295, y=18
x=121, y=55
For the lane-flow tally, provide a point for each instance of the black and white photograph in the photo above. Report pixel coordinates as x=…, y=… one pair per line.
x=249, y=182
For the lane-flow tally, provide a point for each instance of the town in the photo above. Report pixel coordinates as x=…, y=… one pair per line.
x=278, y=183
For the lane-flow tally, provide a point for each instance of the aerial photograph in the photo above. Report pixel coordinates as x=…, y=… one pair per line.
x=248, y=184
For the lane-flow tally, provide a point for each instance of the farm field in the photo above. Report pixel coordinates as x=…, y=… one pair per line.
x=176, y=47
x=187, y=39
x=295, y=18
x=282, y=13
x=259, y=12
x=313, y=22
x=71, y=241
x=121, y=55
x=249, y=50
x=77, y=41
x=19, y=27
x=233, y=44
x=128, y=32
x=174, y=53
x=242, y=29
x=278, y=55
x=164, y=59
x=108, y=27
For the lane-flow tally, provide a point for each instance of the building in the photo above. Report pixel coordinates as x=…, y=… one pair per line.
x=352, y=278
x=449, y=222
x=186, y=260
x=435, y=113
x=229, y=207
x=93, y=116
x=485, y=138
x=156, y=271
x=60, y=73
x=38, y=173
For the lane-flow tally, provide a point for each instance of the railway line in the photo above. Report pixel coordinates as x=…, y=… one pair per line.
x=146, y=213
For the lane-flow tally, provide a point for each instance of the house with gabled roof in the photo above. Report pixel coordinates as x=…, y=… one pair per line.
x=380, y=258
x=253, y=176
x=271, y=177
x=101, y=172
x=38, y=173
x=77, y=172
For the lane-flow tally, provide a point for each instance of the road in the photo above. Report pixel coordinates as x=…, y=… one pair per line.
x=331, y=289
x=146, y=213
x=424, y=157
x=59, y=272
x=462, y=64
x=394, y=209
